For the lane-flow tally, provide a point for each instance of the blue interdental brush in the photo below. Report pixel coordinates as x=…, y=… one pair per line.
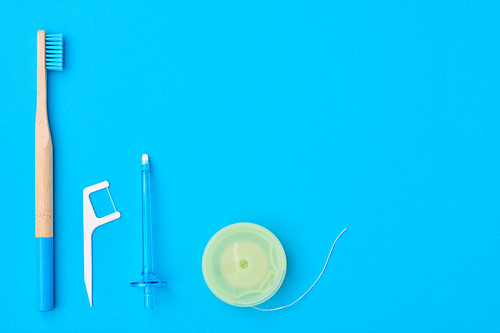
x=49, y=57
x=149, y=279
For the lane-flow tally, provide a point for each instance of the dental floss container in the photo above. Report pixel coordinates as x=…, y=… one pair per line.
x=244, y=264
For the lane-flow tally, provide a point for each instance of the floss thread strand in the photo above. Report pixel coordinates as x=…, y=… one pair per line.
x=308, y=290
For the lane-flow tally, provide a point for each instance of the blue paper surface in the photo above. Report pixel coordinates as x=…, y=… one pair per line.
x=303, y=117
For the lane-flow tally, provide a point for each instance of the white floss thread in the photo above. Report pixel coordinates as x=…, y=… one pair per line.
x=308, y=290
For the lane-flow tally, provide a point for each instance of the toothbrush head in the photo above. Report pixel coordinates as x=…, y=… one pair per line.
x=54, y=52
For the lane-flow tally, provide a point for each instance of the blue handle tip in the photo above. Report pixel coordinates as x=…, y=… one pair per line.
x=45, y=274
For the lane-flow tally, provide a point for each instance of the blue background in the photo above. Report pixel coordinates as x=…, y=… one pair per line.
x=378, y=116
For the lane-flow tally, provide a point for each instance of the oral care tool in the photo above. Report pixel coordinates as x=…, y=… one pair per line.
x=90, y=223
x=49, y=57
x=244, y=265
x=149, y=279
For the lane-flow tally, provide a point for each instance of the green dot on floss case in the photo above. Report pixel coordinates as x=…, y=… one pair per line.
x=244, y=264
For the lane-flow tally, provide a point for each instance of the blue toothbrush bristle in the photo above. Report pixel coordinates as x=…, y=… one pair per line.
x=54, y=52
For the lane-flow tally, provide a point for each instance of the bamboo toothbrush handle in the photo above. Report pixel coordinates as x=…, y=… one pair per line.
x=43, y=150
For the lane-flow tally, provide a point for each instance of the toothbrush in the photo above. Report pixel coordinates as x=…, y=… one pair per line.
x=49, y=57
